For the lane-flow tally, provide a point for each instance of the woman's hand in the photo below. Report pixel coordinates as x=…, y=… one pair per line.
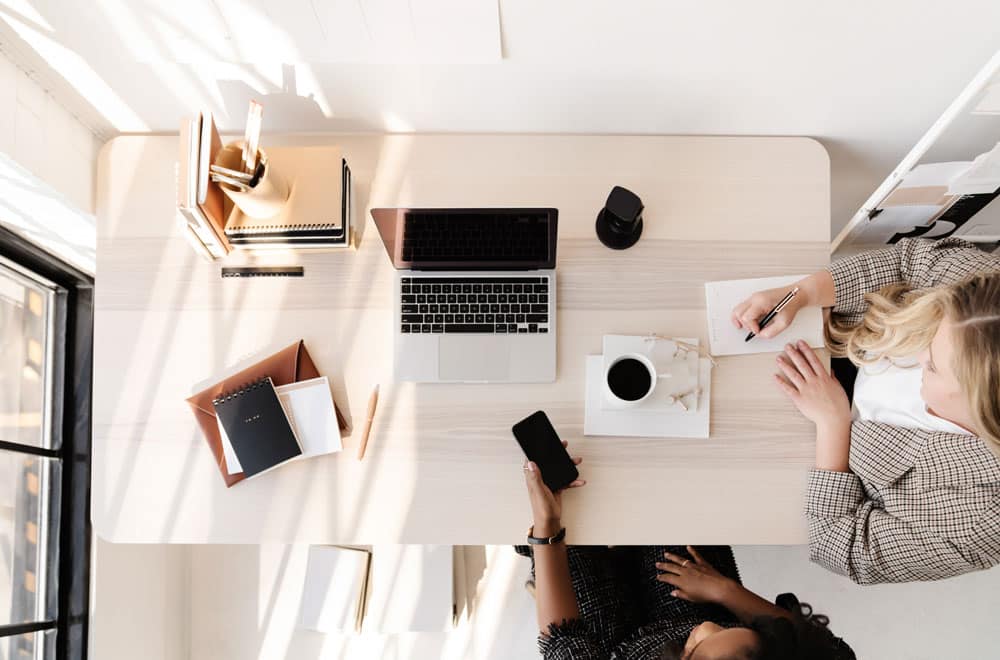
x=546, y=506
x=695, y=579
x=748, y=314
x=820, y=397
x=813, y=390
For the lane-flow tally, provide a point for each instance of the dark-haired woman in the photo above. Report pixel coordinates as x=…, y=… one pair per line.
x=653, y=603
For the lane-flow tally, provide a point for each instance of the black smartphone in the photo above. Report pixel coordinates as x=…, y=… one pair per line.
x=542, y=446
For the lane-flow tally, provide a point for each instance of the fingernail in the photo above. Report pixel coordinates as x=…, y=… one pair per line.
x=659, y=565
x=674, y=594
x=802, y=343
x=531, y=467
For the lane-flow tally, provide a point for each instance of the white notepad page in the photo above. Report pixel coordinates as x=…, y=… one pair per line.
x=410, y=589
x=724, y=339
x=334, y=592
x=312, y=416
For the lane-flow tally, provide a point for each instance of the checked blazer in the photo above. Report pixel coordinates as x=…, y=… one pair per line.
x=916, y=505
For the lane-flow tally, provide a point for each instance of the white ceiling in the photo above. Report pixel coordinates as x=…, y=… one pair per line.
x=866, y=78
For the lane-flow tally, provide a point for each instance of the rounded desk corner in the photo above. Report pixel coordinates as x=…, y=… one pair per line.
x=818, y=148
x=105, y=151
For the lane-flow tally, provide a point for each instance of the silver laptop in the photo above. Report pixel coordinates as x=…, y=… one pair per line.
x=474, y=294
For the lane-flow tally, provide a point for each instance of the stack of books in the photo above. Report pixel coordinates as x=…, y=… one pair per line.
x=317, y=213
x=201, y=205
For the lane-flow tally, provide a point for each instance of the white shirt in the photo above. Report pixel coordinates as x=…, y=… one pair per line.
x=890, y=394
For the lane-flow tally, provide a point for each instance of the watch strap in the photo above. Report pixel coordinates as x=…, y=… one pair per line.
x=533, y=540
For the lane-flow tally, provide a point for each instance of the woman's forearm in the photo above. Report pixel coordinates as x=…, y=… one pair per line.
x=554, y=596
x=818, y=289
x=833, y=446
x=747, y=605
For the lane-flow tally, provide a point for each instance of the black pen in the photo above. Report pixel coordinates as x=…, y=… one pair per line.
x=774, y=312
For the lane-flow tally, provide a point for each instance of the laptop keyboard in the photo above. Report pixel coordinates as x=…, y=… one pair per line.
x=494, y=305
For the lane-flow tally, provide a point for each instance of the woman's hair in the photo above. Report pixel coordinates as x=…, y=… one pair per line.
x=802, y=636
x=901, y=322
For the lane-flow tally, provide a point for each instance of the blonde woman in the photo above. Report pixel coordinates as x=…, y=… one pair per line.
x=907, y=480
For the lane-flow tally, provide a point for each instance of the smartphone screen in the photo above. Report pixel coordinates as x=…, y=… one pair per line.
x=542, y=446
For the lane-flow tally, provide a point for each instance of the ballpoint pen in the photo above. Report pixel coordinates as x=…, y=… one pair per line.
x=774, y=312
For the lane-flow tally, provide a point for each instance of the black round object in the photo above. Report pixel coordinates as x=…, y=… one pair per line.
x=629, y=379
x=616, y=234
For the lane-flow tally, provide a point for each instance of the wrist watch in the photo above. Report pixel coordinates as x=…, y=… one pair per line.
x=545, y=541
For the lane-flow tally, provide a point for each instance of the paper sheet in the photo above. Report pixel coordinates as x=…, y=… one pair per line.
x=934, y=174
x=725, y=339
x=983, y=177
x=309, y=406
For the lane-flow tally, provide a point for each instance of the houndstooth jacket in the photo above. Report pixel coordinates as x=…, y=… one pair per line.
x=917, y=505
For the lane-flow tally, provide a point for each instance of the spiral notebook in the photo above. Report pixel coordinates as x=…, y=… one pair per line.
x=257, y=426
x=318, y=209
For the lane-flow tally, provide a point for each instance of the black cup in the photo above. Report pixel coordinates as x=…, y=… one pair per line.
x=629, y=379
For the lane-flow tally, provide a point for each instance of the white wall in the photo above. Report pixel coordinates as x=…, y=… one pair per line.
x=40, y=134
x=48, y=162
x=866, y=78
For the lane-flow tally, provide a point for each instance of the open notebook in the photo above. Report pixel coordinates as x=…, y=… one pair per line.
x=335, y=590
x=725, y=339
x=387, y=589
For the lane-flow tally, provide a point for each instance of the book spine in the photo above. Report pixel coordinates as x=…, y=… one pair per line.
x=204, y=235
x=192, y=237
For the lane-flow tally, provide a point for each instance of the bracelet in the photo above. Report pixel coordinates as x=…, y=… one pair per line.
x=560, y=535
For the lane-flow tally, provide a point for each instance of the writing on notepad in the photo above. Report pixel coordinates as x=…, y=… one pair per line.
x=725, y=339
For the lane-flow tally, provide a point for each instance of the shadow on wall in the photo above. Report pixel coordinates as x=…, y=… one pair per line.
x=294, y=108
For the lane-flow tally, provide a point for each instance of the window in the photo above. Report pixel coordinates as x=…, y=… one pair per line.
x=46, y=338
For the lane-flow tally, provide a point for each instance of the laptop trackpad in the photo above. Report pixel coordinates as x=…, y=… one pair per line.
x=474, y=357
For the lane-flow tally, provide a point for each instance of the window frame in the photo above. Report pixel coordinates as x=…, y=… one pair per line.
x=71, y=341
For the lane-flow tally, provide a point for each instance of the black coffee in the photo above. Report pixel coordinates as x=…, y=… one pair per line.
x=629, y=379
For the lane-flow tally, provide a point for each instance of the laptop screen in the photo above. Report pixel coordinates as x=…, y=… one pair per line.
x=469, y=239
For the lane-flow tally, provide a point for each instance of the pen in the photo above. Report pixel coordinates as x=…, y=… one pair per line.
x=774, y=312
x=372, y=403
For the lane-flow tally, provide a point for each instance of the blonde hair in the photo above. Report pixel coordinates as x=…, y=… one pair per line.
x=901, y=322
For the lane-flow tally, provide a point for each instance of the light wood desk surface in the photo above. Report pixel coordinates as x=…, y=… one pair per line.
x=442, y=466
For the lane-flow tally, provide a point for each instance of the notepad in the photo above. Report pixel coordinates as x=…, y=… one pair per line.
x=257, y=427
x=410, y=589
x=724, y=339
x=308, y=405
x=335, y=590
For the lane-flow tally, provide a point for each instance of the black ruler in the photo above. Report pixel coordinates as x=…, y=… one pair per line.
x=264, y=271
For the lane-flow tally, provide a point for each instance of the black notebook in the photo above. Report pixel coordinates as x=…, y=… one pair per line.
x=257, y=427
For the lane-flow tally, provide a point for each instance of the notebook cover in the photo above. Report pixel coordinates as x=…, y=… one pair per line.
x=211, y=199
x=316, y=192
x=289, y=365
x=257, y=427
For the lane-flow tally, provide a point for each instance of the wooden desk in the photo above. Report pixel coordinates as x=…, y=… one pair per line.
x=442, y=466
